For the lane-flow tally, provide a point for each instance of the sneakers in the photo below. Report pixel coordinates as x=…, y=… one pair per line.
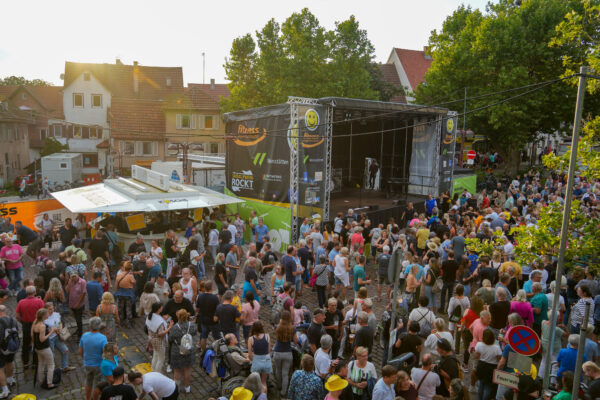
x=188, y=389
x=169, y=369
x=5, y=393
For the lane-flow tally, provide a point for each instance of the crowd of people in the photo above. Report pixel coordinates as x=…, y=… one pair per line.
x=440, y=334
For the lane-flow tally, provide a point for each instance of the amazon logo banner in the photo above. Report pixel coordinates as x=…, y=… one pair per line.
x=447, y=151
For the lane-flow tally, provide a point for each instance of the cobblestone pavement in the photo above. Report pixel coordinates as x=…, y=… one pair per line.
x=132, y=344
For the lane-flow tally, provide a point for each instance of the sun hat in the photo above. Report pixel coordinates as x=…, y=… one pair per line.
x=241, y=393
x=432, y=246
x=335, y=383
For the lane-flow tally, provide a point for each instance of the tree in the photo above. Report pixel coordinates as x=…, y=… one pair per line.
x=19, y=80
x=51, y=146
x=506, y=48
x=301, y=58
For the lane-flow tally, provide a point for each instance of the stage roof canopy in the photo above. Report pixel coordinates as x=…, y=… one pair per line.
x=130, y=195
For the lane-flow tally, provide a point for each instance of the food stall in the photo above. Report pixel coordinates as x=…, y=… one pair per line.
x=148, y=203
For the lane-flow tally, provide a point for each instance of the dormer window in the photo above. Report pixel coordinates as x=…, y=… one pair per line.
x=168, y=81
x=86, y=76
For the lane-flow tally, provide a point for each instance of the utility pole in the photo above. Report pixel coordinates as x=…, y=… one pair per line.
x=581, y=350
x=203, y=67
x=464, y=131
x=566, y=218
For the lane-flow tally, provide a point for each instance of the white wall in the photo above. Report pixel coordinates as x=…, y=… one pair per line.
x=86, y=115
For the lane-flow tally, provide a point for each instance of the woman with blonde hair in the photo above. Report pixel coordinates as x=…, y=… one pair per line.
x=109, y=314
x=124, y=292
x=341, y=271
x=110, y=360
x=182, y=360
x=360, y=371
x=55, y=293
x=100, y=266
x=41, y=334
x=439, y=331
x=54, y=321
x=496, y=259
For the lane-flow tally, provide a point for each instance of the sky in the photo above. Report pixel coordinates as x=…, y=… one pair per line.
x=176, y=32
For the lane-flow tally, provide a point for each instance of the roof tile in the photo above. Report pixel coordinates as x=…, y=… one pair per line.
x=132, y=118
x=415, y=65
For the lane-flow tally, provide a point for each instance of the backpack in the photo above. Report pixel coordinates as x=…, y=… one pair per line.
x=426, y=327
x=10, y=342
x=278, y=308
x=456, y=315
x=186, y=345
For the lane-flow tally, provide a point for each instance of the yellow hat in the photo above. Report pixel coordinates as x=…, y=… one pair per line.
x=241, y=393
x=335, y=383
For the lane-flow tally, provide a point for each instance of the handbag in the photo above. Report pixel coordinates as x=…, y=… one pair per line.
x=438, y=283
x=313, y=279
x=64, y=334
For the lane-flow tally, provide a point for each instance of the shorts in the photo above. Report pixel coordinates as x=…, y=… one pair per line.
x=262, y=363
x=6, y=359
x=206, y=329
x=91, y=375
x=221, y=289
x=383, y=280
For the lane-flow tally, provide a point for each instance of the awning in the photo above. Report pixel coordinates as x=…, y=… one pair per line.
x=125, y=195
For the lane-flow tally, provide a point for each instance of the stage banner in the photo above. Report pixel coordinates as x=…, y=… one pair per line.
x=277, y=219
x=258, y=155
x=464, y=182
x=31, y=212
x=447, y=150
x=422, y=161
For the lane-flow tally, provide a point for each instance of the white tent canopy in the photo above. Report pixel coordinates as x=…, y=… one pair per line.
x=129, y=195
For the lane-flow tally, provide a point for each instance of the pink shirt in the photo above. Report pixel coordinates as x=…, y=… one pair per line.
x=251, y=315
x=477, y=329
x=12, y=252
x=75, y=293
x=358, y=238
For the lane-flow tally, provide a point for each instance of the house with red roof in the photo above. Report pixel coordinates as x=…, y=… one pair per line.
x=410, y=67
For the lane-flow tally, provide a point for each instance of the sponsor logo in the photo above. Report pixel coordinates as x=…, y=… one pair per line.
x=311, y=118
x=8, y=211
x=243, y=180
x=278, y=162
x=249, y=136
x=450, y=125
x=259, y=158
x=308, y=140
x=271, y=178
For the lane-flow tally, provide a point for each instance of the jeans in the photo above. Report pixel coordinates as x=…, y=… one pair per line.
x=15, y=275
x=267, y=285
x=45, y=364
x=322, y=295
x=283, y=363
x=431, y=296
x=231, y=277
x=62, y=348
x=26, y=349
x=467, y=287
x=78, y=314
x=447, y=288
x=485, y=390
x=200, y=269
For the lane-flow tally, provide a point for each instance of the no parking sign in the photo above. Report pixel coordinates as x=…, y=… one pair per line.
x=523, y=340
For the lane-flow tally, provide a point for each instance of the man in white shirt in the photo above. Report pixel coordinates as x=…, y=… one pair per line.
x=323, y=356
x=425, y=379
x=154, y=384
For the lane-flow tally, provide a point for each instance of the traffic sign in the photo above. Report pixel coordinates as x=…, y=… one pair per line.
x=523, y=340
x=506, y=379
x=471, y=154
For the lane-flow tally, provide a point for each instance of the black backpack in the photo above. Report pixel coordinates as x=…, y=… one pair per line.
x=9, y=342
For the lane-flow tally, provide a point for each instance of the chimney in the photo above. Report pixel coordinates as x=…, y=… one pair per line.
x=135, y=63
x=136, y=78
x=212, y=83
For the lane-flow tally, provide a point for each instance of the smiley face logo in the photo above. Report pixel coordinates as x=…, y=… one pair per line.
x=311, y=118
x=449, y=125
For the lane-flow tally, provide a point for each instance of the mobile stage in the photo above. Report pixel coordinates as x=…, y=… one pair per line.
x=315, y=157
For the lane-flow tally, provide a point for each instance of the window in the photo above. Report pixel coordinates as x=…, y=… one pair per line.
x=208, y=122
x=95, y=132
x=43, y=134
x=168, y=81
x=63, y=165
x=146, y=148
x=90, y=160
x=78, y=100
x=57, y=130
x=185, y=121
x=96, y=101
x=128, y=148
x=77, y=132
x=214, y=148
x=86, y=76
x=23, y=96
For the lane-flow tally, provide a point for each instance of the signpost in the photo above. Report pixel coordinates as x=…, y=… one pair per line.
x=507, y=379
x=471, y=154
x=523, y=340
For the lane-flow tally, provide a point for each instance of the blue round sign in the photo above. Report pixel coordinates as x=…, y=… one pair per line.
x=523, y=340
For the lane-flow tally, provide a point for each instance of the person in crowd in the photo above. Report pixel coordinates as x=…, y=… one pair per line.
x=232, y=264
x=56, y=342
x=189, y=285
x=364, y=334
x=449, y=277
x=91, y=347
x=76, y=290
x=335, y=385
x=249, y=313
x=341, y=271
x=282, y=351
x=11, y=254
x=323, y=357
x=110, y=361
x=182, y=355
x=148, y=298
x=66, y=234
x=360, y=370
x=251, y=279
x=439, y=331
x=94, y=291
x=405, y=388
x=409, y=342
x=154, y=384
x=305, y=384
x=118, y=389
x=539, y=305
x=124, y=292
x=206, y=306
x=158, y=328
x=220, y=274
x=567, y=358
x=322, y=280
x=578, y=310
x=425, y=378
x=48, y=273
x=567, y=387
x=316, y=330
x=447, y=367
x=334, y=324
x=457, y=306
x=162, y=289
x=521, y=306
x=499, y=310
x=592, y=372
x=226, y=314
x=55, y=294
x=26, y=314
x=8, y=327
x=258, y=351
x=108, y=312
x=41, y=343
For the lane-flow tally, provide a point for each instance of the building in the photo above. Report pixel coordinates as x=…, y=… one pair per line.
x=15, y=125
x=123, y=102
x=410, y=67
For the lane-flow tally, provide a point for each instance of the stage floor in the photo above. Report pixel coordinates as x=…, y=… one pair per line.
x=356, y=199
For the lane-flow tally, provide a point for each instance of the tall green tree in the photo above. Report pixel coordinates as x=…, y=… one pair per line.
x=19, y=80
x=504, y=48
x=51, y=146
x=302, y=58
